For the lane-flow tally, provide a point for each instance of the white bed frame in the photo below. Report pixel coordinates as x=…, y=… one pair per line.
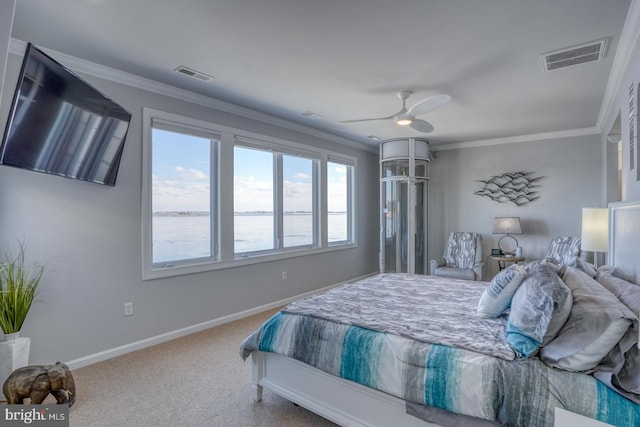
x=352, y=405
x=344, y=402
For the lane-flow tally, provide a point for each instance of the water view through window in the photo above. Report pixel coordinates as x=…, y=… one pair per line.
x=183, y=235
x=275, y=198
x=181, y=196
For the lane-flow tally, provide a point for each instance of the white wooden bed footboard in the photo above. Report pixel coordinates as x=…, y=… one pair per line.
x=341, y=401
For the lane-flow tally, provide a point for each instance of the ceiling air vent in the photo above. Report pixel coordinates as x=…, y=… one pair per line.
x=588, y=52
x=193, y=73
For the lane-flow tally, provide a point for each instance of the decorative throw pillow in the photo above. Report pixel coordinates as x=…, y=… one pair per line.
x=496, y=298
x=596, y=323
x=562, y=305
x=539, y=308
x=551, y=262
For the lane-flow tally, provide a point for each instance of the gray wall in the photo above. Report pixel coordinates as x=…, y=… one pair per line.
x=89, y=237
x=571, y=171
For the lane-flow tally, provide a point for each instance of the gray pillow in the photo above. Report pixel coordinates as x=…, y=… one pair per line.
x=596, y=323
x=562, y=305
x=539, y=308
x=496, y=298
x=614, y=271
x=583, y=265
x=624, y=359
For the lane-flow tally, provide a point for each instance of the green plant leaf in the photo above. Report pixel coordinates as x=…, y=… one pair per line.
x=18, y=285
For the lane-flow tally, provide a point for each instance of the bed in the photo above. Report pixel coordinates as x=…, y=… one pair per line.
x=438, y=359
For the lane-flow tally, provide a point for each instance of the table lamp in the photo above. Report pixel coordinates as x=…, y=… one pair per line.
x=595, y=231
x=507, y=225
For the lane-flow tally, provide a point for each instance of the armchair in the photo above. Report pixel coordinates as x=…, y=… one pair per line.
x=564, y=250
x=462, y=257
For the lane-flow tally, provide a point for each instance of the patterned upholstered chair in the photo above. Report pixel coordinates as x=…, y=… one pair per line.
x=462, y=257
x=564, y=250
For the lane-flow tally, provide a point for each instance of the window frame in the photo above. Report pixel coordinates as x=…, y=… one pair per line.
x=278, y=152
x=214, y=210
x=351, y=198
x=222, y=220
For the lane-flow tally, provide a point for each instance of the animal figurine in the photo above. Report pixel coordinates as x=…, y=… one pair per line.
x=37, y=381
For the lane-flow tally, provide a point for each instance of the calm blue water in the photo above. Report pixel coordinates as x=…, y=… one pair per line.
x=187, y=236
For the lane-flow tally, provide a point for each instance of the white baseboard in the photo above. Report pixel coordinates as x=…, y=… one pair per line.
x=158, y=339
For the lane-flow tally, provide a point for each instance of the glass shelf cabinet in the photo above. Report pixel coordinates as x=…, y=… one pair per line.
x=404, y=179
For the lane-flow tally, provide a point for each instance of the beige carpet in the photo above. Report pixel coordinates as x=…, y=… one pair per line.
x=198, y=380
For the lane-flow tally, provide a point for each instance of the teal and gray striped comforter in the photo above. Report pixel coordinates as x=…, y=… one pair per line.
x=339, y=333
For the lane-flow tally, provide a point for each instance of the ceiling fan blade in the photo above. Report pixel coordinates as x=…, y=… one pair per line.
x=422, y=125
x=368, y=120
x=429, y=104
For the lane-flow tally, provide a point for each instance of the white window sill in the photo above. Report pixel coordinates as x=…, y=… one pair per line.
x=178, y=268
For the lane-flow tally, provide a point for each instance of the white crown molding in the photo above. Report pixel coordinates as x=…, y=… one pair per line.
x=78, y=65
x=626, y=46
x=536, y=137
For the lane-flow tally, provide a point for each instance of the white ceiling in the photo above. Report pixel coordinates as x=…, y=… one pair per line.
x=347, y=59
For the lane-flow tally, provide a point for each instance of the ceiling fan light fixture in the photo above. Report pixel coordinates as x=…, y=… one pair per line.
x=408, y=117
x=404, y=121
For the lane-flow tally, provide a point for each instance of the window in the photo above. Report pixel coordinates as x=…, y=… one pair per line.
x=273, y=196
x=216, y=197
x=300, y=211
x=339, y=203
x=253, y=204
x=182, y=194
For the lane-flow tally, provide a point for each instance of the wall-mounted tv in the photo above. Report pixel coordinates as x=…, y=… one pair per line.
x=59, y=124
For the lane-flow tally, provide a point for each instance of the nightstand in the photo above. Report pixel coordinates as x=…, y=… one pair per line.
x=503, y=260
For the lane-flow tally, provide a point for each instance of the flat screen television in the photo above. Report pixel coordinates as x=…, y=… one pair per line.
x=59, y=124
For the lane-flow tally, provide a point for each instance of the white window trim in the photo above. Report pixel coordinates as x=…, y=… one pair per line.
x=225, y=252
x=351, y=182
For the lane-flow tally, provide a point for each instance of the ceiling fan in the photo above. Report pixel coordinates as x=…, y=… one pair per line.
x=406, y=117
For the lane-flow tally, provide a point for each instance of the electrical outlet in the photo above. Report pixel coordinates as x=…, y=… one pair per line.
x=128, y=308
x=284, y=275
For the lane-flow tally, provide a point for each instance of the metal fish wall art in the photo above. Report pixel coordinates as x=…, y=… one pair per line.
x=515, y=187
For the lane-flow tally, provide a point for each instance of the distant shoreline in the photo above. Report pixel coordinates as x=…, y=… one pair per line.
x=252, y=213
x=181, y=213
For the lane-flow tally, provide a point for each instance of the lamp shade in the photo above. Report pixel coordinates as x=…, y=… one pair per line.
x=507, y=225
x=595, y=229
